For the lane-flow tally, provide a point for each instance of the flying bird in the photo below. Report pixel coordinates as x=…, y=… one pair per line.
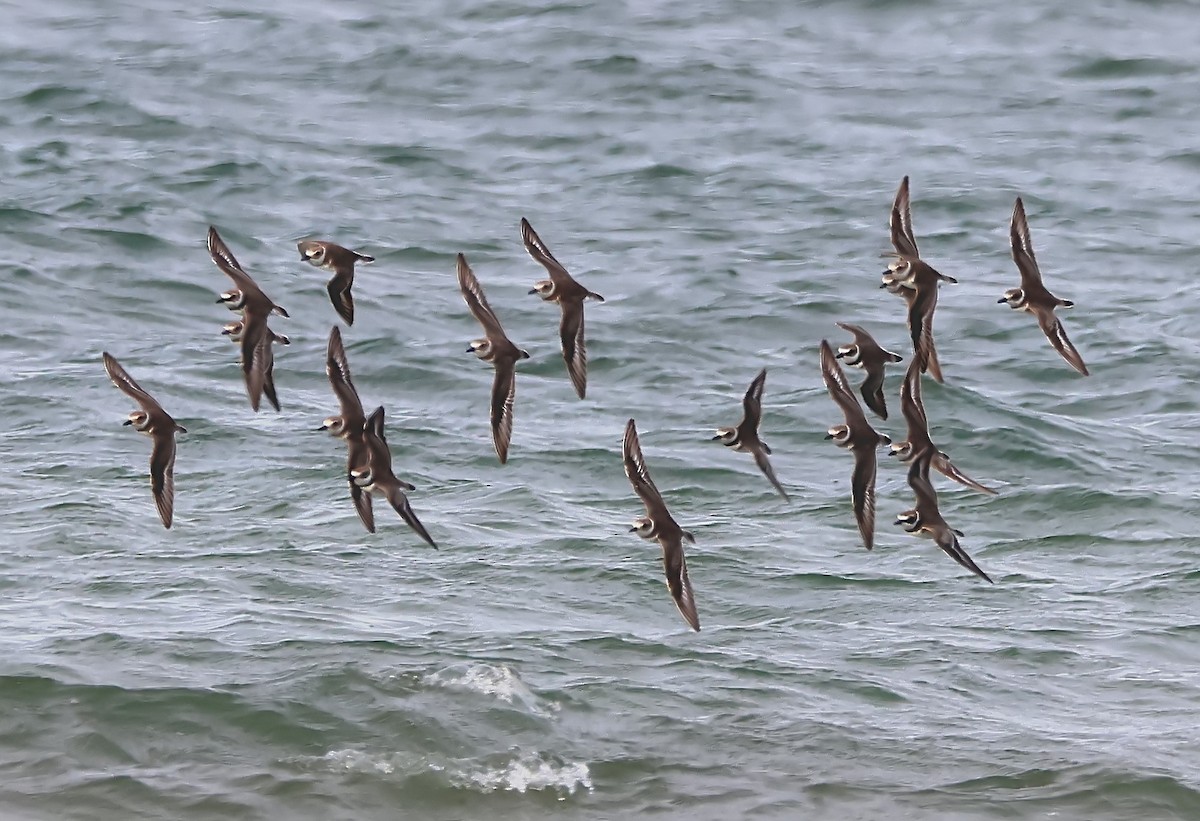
x=156, y=423
x=744, y=437
x=1033, y=296
x=867, y=354
x=496, y=348
x=919, y=445
x=245, y=290
x=857, y=435
x=331, y=257
x=562, y=288
x=916, y=280
x=926, y=520
x=376, y=476
x=258, y=359
x=658, y=524
x=350, y=424
x=235, y=331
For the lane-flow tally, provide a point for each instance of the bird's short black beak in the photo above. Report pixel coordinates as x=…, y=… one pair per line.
x=1001, y=299
x=127, y=422
x=470, y=349
x=220, y=300
x=829, y=436
x=633, y=530
x=716, y=438
x=839, y=355
x=303, y=257
x=533, y=290
x=323, y=427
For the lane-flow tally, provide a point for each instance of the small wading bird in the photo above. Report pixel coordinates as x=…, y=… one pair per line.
x=918, y=445
x=235, y=330
x=255, y=306
x=375, y=476
x=744, y=438
x=350, y=423
x=562, y=288
x=658, y=524
x=330, y=257
x=1033, y=296
x=867, y=354
x=926, y=520
x=914, y=279
x=497, y=349
x=919, y=451
x=857, y=435
x=156, y=423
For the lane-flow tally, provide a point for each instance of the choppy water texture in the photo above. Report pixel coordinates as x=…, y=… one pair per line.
x=721, y=171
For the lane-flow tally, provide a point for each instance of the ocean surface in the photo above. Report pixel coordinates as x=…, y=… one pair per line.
x=722, y=172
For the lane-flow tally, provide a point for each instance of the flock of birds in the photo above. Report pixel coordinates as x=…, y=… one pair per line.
x=369, y=462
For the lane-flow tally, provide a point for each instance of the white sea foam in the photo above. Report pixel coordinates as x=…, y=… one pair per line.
x=359, y=761
x=522, y=773
x=498, y=681
x=514, y=772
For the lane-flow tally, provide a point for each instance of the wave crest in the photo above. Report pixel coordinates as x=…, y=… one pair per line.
x=514, y=771
x=496, y=680
x=525, y=772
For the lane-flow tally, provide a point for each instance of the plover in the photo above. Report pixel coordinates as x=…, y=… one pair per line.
x=497, y=349
x=258, y=359
x=658, y=524
x=562, y=288
x=349, y=424
x=156, y=423
x=857, y=435
x=376, y=476
x=867, y=354
x=914, y=279
x=1033, y=296
x=919, y=444
x=744, y=437
x=330, y=257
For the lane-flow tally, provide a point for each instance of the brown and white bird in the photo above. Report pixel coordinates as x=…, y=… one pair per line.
x=255, y=306
x=349, y=424
x=857, y=435
x=914, y=279
x=919, y=445
x=1033, y=296
x=375, y=476
x=658, y=524
x=867, y=354
x=744, y=437
x=235, y=331
x=156, y=423
x=562, y=288
x=331, y=257
x=246, y=290
x=926, y=520
x=496, y=348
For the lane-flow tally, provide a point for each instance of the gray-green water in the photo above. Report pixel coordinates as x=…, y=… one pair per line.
x=721, y=171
